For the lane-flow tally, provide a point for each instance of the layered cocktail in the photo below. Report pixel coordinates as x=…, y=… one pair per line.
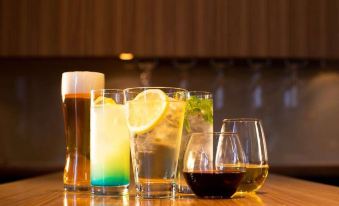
x=110, y=150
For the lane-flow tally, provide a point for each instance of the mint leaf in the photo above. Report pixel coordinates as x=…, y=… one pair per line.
x=203, y=107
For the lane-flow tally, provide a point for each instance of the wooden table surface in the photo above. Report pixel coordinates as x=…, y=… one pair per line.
x=278, y=190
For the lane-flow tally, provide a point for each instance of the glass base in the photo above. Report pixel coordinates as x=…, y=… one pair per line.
x=110, y=190
x=76, y=188
x=184, y=189
x=243, y=193
x=155, y=190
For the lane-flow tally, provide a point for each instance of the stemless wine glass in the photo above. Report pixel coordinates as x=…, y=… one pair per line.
x=214, y=164
x=252, y=138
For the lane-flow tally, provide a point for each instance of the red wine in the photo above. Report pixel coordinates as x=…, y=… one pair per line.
x=214, y=184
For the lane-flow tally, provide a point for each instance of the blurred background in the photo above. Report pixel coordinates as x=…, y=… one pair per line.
x=275, y=60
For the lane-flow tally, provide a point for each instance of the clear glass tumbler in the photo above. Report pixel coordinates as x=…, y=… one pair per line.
x=252, y=138
x=110, y=148
x=198, y=118
x=155, y=117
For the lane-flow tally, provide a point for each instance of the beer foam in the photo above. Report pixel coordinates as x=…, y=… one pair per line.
x=81, y=82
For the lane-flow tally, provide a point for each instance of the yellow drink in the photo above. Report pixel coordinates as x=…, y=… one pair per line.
x=254, y=178
x=110, y=149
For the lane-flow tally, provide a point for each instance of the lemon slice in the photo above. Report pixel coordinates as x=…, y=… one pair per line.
x=103, y=100
x=146, y=110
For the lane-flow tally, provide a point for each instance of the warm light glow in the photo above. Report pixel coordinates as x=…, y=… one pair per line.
x=126, y=56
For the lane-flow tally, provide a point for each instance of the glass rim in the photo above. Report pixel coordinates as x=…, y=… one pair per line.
x=245, y=119
x=130, y=89
x=199, y=93
x=107, y=91
x=214, y=133
x=78, y=71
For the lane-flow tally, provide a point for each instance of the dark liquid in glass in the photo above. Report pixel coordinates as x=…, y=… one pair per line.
x=214, y=184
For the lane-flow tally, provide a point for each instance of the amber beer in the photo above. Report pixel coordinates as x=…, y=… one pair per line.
x=75, y=90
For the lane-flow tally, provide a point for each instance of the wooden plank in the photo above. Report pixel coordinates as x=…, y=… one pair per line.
x=104, y=30
x=14, y=28
x=73, y=28
x=144, y=32
x=316, y=28
x=184, y=31
x=258, y=28
x=165, y=28
x=332, y=33
x=47, y=24
x=278, y=28
x=298, y=42
x=278, y=190
x=164, y=31
x=204, y=28
x=220, y=36
x=238, y=28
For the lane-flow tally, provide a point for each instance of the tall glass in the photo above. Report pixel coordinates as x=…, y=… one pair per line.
x=253, y=141
x=75, y=91
x=110, y=149
x=155, y=117
x=198, y=118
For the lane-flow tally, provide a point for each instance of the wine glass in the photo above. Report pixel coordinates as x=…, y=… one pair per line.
x=214, y=164
x=252, y=138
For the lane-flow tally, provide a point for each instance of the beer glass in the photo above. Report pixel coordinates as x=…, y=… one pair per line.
x=253, y=141
x=110, y=150
x=198, y=118
x=75, y=91
x=155, y=118
x=214, y=164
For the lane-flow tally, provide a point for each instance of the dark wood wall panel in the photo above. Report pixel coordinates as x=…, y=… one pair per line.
x=183, y=27
x=204, y=27
x=164, y=41
x=238, y=28
x=220, y=36
x=278, y=28
x=317, y=28
x=298, y=35
x=332, y=31
x=258, y=27
x=170, y=28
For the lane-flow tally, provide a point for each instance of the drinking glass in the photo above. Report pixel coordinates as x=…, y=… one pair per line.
x=75, y=91
x=198, y=118
x=110, y=149
x=155, y=116
x=252, y=138
x=100, y=200
x=72, y=198
x=214, y=164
